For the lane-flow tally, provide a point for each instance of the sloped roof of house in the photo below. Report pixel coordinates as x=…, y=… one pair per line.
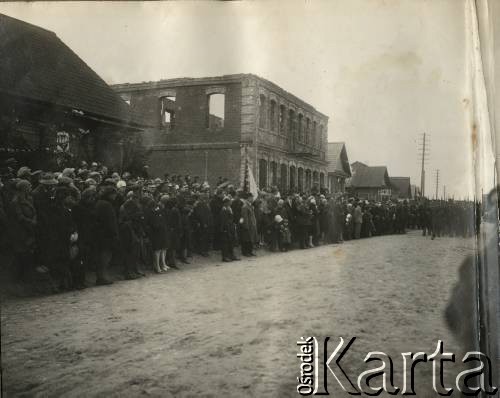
x=401, y=185
x=36, y=65
x=338, y=162
x=370, y=177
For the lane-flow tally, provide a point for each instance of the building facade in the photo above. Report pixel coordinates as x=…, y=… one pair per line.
x=401, y=188
x=217, y=126
x=369, y=182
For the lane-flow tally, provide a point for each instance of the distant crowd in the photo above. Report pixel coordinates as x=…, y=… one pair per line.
x=85, y=219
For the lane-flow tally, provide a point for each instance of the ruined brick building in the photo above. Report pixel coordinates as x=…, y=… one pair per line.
x=213, y=127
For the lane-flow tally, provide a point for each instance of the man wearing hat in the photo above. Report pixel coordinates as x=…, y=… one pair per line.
x=24, y=173
x=227, y=231
x=44, y=202
x=107, y=233
x=248, y=226
x=131, y=229
x=202, y=217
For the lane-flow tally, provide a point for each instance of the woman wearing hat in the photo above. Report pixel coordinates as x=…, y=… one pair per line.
x=156, y=230
x=248, y=227
x=23, y=228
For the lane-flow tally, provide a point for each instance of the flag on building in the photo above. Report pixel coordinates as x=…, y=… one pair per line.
x=249, y=184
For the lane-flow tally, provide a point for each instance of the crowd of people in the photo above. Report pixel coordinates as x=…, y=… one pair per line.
x=88, y=218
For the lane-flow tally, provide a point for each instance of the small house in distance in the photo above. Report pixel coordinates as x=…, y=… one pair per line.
x=338, y=167
x=369, y=182
x=401, y=187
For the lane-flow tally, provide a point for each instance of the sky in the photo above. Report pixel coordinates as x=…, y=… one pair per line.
x=384, y=71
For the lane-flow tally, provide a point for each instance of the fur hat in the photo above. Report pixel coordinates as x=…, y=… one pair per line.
x=24, y=172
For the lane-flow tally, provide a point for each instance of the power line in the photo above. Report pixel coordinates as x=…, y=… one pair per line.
x=437, y=183
x=423, y=153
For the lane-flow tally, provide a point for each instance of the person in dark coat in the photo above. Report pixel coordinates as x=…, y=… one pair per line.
x=323, y=218
x=216, y=207
x=107, y=233
x=203, y=221
x=303, y=223
x=332, y=235
x=156, y=230
x=130, y=231
x=184, y=247
x=84, y=215
x=236, y=205
x=248, y=227
x=44, y=202
x=173, y=219
x=4, y=219
x=24, y=222
x=314, y=231
x=227, y=231
x=65, y=260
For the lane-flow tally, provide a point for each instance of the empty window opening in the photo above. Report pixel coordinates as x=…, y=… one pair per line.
x=308, y=131
x=216, y=111
x=262, y=111
x=282, y=118
x=314, y=132
x=301, y=132
x=272, y=116
x=167, y=112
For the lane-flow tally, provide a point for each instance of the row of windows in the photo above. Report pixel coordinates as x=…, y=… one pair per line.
x=297, y=127
x=303, y=130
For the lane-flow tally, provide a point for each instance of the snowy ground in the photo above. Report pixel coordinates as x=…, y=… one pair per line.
x=230, y=329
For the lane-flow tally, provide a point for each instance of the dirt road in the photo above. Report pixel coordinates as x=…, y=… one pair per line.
x=230, y=329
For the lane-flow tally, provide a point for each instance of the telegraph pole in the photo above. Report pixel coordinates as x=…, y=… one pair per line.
x=437, y=183
x=423, y=153
x=444, y=192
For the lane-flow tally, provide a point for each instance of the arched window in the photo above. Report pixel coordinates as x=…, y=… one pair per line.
x=308, y=132
x=292, y=178
x=282, y=117
x=301, y=127
x=300, y=179
x=313, y=136
x=262, y=174
x=320, y=144
x=291, y=124
x=272, y=114
x=262, y=111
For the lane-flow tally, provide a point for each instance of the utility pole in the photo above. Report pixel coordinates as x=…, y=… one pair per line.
x=444, y=192
x=423, y=152
x=437, y=183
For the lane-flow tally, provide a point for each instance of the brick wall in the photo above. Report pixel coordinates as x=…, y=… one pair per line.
x=190, y=114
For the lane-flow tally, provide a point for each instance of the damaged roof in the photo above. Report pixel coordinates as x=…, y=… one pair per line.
x=36, y=65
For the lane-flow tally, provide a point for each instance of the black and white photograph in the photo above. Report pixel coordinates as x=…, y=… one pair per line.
x=249, y=198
